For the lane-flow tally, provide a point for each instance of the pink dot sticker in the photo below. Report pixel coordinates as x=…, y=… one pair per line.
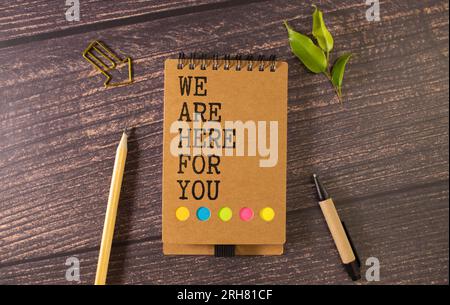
x=246, y=214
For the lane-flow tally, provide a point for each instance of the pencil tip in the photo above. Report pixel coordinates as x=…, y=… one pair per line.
x=125, y=131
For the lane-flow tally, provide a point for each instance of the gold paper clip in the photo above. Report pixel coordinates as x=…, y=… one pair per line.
x=105, y=61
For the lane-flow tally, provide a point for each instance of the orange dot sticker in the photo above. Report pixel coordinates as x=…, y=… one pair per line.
x=182, y=213
x=267, y=214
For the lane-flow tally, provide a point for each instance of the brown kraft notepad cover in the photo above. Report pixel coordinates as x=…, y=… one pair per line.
x=255, y=181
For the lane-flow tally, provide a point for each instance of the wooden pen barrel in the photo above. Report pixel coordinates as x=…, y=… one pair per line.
x=337, y=231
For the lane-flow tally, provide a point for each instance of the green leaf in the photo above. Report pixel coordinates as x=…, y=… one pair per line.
x=320, y=31
x=304, y=48
x=337, y=74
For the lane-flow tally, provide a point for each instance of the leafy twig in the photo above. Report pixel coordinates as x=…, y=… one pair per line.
x=316, y=58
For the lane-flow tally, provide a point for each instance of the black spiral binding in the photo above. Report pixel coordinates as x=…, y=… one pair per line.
x=202, y=60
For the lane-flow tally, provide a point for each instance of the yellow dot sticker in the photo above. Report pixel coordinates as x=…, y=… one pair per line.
x=267, y=214
x=225, y=214
x=182, y=213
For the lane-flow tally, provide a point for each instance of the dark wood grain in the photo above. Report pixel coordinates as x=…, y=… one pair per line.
x=29, y=18
x=383, y=153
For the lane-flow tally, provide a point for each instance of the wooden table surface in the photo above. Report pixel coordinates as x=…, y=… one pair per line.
x=384, y=154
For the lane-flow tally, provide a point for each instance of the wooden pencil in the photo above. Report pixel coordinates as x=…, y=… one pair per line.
x=111, y=211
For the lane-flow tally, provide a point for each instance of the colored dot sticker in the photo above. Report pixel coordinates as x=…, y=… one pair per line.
x=203, y=214
x=267, y=214
x=225, y=214
x=182, y=213
x=246, y=214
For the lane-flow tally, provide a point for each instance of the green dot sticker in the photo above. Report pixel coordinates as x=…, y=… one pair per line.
x=225, y=214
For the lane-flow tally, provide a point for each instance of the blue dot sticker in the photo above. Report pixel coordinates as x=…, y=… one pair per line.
x=203, y=214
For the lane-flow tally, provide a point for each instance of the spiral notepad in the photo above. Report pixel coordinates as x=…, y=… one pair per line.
x=224, y=156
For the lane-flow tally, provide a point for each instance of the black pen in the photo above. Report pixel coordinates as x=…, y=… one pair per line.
x=340, y=235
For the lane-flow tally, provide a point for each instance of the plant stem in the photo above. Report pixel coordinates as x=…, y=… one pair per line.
x=328, y=76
